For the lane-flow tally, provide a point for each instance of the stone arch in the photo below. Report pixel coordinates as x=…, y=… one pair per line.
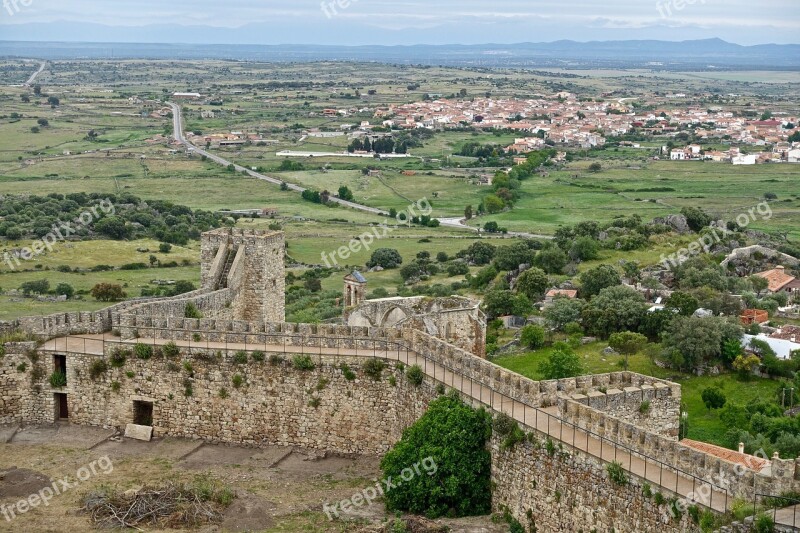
x=392, y=317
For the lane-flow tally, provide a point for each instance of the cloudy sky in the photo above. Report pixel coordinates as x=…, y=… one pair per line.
x=399, y=21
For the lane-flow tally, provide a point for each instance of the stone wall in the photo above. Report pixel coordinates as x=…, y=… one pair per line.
x=256, y=276
x=25, y=395
x=654, y=407
x=276, y=404
x=570, y=491
x=455, y=319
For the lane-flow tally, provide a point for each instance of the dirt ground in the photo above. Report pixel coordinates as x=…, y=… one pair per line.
x=277, y=489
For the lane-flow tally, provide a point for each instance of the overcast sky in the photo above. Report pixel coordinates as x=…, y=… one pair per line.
x=406, y=21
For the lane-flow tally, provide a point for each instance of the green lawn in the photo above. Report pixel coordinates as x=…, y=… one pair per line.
x=704, y=425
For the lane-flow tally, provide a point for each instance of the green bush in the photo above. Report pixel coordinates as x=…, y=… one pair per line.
x=170, y=350
x=349, y=375
x=143, y=351
x=191, y=311
x=275, y=359
x=764, y=524
x=617, y=474
x=240, y=357
x=258, y=356
x=532, y=336
x=303, y=363
x=415, y=375
x=98, y=368
x=58, y=379
x=449, y=442
x=237, y=381
x=118, y=358
x=374, y=368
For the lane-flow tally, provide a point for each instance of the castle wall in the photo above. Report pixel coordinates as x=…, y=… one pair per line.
x=571, y=491
x=276, y=404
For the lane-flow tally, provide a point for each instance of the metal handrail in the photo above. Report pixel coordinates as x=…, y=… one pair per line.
x=791, y=502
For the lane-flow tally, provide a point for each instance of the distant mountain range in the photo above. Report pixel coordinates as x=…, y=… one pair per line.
x=693, y=55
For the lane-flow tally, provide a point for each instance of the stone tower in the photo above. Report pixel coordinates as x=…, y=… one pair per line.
x=355, y=289
x=250, y=264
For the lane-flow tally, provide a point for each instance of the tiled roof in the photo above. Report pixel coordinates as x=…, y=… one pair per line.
x=752, y=462
x=777, y=278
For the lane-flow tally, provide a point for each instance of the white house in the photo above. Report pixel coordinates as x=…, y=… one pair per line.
x=793, y=156
x=749, y=159
x=783, y=348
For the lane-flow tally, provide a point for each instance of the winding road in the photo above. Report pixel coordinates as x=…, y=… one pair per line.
x=178, y=134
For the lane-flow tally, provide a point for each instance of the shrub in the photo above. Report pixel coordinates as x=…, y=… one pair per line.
x=240, y=357
x=458, y=483
x=257, y=356
x=374, y=368
x=349, y=375
x=58, y=379
x=191, y=311
x=415, y=375
x=143, y=351
x=237, y=381
x=118, y=358
x=187, y=366
x=617, y=474
x=764, y=524
x=196, y=337
x=659, y=498
x=116, y=386
x=644, y=407
x=130, y=374
x=223, y=393
x=22, y=367
x=275, y=359
x=303, y=363
x=314, y=402
x=98, y=368
x=713, y=398
x=170, y=350
x=532, y=336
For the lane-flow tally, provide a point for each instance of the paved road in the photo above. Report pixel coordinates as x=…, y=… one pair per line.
x=544, y=421
x=457, y=222
x=36, y=74
x=177, y=124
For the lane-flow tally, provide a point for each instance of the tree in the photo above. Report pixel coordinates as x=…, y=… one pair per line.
x=113, y=227
x=532, y=336
x=345, y=193
x=696, y=218
x=532, y=283
x=617, y=308
x=493, y=204
x=511, y=257
x=442, y=257
x=627, y=343
x=684, y=303
x=458, y=483
x=759, y=284
x=165, y=248
x=713, y=398
x=561, y=363
x=35, y=129
x=502, y=302
x=595, y=167
x=385, y=258
x=43, y=122
x=563, y=311
x=745, y=364
x=698, y=339
x=597, y=279
x=468, y=212
x=107, y=292
x=552, y=260
x=53, y=101
x=40, y=286
x=313, y=284
x=478, y=253
x=584, y=249
x=65, y=289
